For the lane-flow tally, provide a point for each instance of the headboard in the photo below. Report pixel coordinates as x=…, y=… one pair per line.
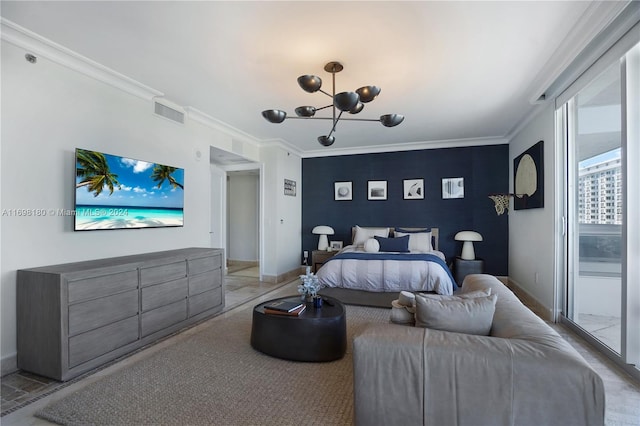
x=435, y=233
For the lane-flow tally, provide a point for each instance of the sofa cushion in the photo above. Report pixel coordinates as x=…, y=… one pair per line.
x=460, y=315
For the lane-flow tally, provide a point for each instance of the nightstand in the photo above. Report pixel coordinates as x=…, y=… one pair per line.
x=318, y=257
x=462, y=268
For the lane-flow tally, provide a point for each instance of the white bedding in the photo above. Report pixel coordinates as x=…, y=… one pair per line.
x=385, y=275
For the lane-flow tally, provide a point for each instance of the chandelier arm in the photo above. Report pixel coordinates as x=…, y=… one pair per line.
x=328, y=94
x=335, y=123
x=330, y=118
x=326, y=106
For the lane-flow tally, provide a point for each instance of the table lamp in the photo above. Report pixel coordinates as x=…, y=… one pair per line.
x=323, y=231
x=468, y=237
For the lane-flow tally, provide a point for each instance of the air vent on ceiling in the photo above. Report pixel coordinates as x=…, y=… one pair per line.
x=170, y=112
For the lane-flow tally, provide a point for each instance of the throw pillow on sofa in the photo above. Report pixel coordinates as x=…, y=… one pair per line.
x=460, y=315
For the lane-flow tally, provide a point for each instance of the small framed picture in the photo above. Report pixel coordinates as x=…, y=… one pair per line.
x=343, y=191
x=452, y=188
x=290, y=187
x=335, y=245
x=413, y=189
x=377, y=190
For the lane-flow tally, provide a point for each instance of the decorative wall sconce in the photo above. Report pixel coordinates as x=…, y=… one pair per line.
x=501, y=202
x=352, y=102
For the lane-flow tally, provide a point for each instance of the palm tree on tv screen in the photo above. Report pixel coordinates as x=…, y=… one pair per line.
x=94, y=170
x=162, y=173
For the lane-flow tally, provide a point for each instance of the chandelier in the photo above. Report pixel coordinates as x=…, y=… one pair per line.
x=351, y=102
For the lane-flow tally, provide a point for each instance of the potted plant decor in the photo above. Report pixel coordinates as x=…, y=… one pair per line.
x=309, y=287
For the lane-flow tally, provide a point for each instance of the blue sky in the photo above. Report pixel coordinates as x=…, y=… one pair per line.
x=136, y=187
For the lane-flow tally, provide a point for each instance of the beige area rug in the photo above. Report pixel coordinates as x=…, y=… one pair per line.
x=215, y=377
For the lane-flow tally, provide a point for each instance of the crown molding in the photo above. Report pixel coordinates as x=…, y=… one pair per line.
x=410, y=146
x=283, y=144
x=213, y=123
x=43, y=47
x=596, y=18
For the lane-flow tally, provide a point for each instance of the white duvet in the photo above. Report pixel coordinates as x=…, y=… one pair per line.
x=384, y=275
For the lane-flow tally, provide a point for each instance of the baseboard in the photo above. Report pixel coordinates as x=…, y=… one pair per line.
x=287, y=276
x=245, y=263
x=531, y=302
x=9, y=365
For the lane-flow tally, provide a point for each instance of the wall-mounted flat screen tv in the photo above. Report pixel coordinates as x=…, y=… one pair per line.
x=114, y=192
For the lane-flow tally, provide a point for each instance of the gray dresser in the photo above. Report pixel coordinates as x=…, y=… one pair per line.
x=74, y=317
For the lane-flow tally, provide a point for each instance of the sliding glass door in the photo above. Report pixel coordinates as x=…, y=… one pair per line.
x=596, y=208
x=602, y=208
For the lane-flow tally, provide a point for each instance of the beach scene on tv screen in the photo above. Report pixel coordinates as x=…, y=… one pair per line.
x=114, y=192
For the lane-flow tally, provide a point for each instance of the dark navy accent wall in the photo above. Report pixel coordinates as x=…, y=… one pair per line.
x=485, y=170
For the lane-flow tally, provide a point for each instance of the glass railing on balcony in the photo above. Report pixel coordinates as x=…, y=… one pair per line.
x=600, y=249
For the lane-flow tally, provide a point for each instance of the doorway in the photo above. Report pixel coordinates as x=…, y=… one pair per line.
x=236, y=210
x=243, y=222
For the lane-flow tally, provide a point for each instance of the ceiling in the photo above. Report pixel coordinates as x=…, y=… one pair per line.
x=458, y=71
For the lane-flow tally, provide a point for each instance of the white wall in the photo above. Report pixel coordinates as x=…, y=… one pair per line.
x=531, y=231
x=47, y=111
x=283, y=213
x=243, y=204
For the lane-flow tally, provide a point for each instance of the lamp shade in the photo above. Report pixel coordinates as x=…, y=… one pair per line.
x=368, y=93
x=323, y=231
x=274, y=115
x=326, y=140
x=310, y=83
x=391, y=120
x=468, y=252
x=305, y=111
x=346, y=101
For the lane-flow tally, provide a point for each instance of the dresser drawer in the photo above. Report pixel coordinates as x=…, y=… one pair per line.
x=204, y=264
x=86, y=346
x=96, y=313
x=163, y=294
x=163, y=317
x=205, y=301
x=204, y=282
x=163, y=273
x=95, y=287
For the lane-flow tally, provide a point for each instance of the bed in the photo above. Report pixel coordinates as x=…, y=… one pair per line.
x=374, y=272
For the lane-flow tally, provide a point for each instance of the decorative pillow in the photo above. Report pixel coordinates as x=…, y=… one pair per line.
x=363, y=234
x=470, y=316
x=394, y=244
x=418, y=241
x=371, y=245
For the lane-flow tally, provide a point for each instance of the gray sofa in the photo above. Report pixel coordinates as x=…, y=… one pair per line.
x=523, y=373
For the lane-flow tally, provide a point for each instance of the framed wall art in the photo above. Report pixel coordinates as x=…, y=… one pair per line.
x=377, y=190
x=528, y=178
x=290, y=187
x=343, y=191
x=452, y=188
x=413, y=189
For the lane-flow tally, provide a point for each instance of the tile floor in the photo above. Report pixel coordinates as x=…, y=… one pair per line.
x=23, y=394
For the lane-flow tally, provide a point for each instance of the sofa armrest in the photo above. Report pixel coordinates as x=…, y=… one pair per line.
x=388, y=381
x=408, y=375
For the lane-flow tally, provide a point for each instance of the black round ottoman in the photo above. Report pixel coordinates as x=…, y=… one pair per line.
x=317, y=334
